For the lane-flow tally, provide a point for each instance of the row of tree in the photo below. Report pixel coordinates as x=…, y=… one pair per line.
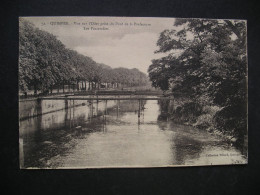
x=45, y=63
x=206, y=63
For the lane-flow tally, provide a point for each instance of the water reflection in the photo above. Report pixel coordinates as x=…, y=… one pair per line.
x=118, y=133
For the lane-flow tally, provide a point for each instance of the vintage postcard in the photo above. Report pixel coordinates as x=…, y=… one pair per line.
x=112, y=92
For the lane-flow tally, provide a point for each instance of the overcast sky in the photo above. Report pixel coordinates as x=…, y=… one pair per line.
x=119, y=46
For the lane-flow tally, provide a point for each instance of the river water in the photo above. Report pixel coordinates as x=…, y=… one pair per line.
x=110, y=134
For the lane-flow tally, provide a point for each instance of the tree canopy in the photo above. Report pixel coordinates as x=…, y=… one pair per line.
x=206, y=62
x=44, y=62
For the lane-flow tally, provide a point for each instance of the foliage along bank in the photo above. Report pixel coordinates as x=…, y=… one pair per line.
x=206, y=70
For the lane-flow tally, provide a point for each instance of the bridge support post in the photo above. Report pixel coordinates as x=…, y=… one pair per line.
x=139, y=108
x=73, y=113
x=92, y=108
x=117, y=108
x=106, y=108
x=66, y=102
x=97, y=108
x=70, y=113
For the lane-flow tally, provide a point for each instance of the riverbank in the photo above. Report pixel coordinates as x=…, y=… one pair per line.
x=206, y=117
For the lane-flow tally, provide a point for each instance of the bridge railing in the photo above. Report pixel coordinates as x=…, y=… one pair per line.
x=101, y=92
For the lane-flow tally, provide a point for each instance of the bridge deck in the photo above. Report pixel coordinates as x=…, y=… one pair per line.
x=106, y=98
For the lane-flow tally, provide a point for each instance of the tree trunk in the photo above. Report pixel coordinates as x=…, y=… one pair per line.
x=63, y=87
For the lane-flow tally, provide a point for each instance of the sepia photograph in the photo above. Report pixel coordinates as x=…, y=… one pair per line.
x=132, y=92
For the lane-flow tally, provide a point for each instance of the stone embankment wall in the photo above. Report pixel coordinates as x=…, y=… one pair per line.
x=35, y=107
